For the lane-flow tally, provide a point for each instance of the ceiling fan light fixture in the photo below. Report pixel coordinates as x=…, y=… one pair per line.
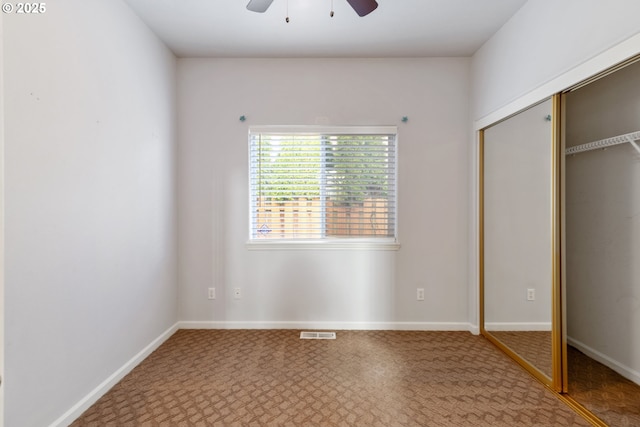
x=259, y=6
x=362, y=7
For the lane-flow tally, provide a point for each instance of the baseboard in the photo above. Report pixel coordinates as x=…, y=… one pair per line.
x=84, y=404
x=393, y=326
x=517, y=326
x=625, y=371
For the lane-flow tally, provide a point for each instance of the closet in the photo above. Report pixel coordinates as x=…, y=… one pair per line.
x=602, y=245
x=559, y=216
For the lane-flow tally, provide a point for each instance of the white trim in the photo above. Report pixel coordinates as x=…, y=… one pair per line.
x=565, y=80
x=365, y=326
x=625, y=371
x=517, y=326
x=474, y=329
x=76, y=410
x=334, y=244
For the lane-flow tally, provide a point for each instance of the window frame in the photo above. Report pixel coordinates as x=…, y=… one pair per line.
x=324, y=243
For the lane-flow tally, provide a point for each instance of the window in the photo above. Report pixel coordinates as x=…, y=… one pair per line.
x=319, y=185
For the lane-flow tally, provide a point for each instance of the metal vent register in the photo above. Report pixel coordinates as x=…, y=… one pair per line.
x=317, y=335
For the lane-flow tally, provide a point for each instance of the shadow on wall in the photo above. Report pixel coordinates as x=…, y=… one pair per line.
x=315, y=286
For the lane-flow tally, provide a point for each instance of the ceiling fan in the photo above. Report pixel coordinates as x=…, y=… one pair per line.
x=362, y=7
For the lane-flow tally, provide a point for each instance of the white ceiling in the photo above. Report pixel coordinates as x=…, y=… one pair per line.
x=397, y=28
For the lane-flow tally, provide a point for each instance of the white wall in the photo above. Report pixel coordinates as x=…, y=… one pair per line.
x=517, y=221
x=541, y=42
x=90, y=201
x=341, y=288
x=603, y=223
x=2, y=98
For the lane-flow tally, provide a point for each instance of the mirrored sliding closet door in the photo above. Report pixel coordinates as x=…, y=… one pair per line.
x=517, y=237
x=559, y=221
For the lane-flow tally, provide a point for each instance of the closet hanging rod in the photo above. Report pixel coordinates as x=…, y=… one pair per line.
x=604, y=143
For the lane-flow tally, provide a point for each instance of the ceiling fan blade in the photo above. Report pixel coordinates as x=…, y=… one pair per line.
x=363, y=7
x=259, y=6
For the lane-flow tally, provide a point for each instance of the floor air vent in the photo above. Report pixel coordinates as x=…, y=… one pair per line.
x=317, y=335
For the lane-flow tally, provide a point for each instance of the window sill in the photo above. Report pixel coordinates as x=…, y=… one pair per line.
x=270, y=245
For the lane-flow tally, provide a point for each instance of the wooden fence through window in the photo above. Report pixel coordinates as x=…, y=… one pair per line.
x=302, y=218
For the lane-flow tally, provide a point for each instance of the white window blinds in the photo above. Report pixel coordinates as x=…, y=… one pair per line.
x=323, y=185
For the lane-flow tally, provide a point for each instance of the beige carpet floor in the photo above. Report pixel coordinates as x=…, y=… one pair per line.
x=532, y=346
x=610, y=396
x=363, y=378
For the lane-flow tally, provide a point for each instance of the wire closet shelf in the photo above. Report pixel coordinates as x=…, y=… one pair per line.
x=628, y=138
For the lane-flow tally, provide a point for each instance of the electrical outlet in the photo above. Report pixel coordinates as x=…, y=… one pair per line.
x=237, y=293
x=531, y=294
x=212, y=293
x=420, y=294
